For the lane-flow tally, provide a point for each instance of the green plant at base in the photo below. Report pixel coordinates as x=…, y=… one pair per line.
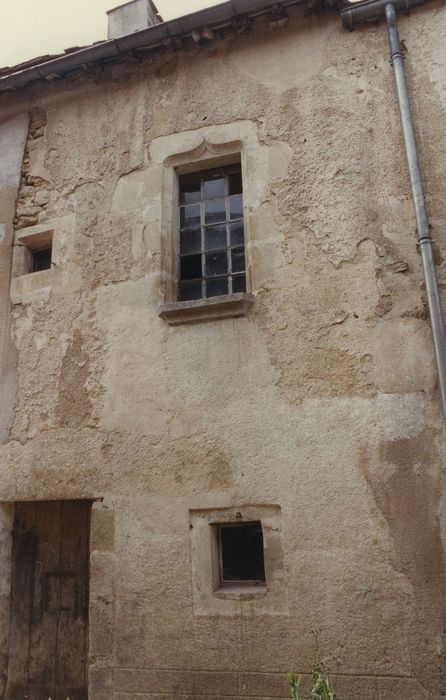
x=321, y=690
x=294, y=684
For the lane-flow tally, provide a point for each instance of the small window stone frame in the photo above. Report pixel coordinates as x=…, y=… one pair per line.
x=211, y=596
x=63, y=276
x=28, y=243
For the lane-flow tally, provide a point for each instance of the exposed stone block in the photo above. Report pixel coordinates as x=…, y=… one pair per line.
x=263, y=685
x=210, y=683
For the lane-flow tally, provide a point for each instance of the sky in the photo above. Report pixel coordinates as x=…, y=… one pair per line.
x=31, y=28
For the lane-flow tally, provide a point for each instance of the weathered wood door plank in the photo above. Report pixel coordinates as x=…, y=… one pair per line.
x=49, y=601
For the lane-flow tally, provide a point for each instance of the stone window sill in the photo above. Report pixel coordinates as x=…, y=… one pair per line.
x=230, y=306
x=31, y=287
x=241, y=592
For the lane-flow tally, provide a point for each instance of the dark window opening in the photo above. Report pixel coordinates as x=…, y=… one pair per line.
x=212, y=252
x=40, y=259
x=241, y=553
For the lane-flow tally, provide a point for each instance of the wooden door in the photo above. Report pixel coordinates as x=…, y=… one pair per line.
x=49, y=601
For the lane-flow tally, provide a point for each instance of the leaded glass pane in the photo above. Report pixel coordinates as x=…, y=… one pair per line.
x=190, y=190
x=214, y=188
x=190, y=216
x=190, y=290
x=238, y=284
x=214, y=211
x=236, y=233
x=190, y=241
x=216, y=264
x=236, y=207
x=190, y=267
x=238, y=259
x=235, y=183
x=217, y=287
x=215, y=237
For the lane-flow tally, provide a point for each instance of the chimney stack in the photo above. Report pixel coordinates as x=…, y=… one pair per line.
x=132, y=17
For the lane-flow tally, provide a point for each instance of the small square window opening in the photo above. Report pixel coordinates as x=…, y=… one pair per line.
x=212, y=247
x=240, y=547
x=40, y=259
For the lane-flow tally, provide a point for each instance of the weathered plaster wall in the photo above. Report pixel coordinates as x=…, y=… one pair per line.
x=322, y=401
x=12, y=143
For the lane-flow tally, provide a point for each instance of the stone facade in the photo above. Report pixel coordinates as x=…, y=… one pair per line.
x=317, y=411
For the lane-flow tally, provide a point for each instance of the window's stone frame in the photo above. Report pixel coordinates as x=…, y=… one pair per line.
x=28, y=240
x=194, y=151
x=63, y=277
x=209, y=598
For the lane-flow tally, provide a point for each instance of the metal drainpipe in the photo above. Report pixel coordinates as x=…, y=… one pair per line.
x=424, y=238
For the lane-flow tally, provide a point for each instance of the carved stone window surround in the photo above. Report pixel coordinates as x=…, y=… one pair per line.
x=178, y=154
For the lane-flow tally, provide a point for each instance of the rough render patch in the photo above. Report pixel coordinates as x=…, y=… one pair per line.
x=430, y=50
x=396, y=416
x=74, y=403
x=407, y=480
x=60, y=377
x=326, y=319
x=131, y=190
x=8, y=380
x=102, y=528
x=12, y=142
x=402, y=350
x=103, y=568
x=114, y=147
x=305, y=53
x=135, y=373
x=78, y=468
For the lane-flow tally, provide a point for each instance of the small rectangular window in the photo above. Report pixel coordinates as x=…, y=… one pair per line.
x=240, y=548
x=212, y=248
x=40, y=259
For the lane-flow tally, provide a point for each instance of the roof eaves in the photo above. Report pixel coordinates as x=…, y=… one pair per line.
x=152, y=37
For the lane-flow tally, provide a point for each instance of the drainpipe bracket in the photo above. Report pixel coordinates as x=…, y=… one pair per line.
x=423, y=240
